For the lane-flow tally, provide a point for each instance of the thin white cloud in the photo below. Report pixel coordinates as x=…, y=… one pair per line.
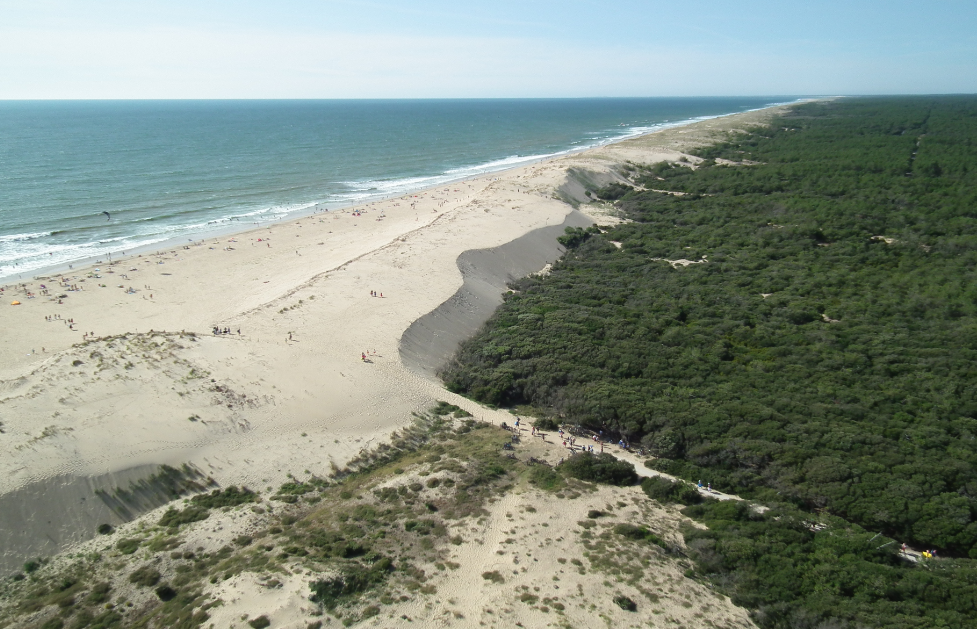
x=201, y=63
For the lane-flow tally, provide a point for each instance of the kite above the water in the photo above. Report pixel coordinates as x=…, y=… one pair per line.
x=108, y=216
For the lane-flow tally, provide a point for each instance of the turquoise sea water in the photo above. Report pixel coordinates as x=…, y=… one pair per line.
x=174, y=170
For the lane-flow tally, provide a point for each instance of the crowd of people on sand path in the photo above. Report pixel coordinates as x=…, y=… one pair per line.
x=219, y=331
x=373, y=293
x=569, y=442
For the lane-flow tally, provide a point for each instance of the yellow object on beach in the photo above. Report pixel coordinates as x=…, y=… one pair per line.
x=15, y=303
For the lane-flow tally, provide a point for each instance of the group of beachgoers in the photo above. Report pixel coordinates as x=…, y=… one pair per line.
x=219, y=331
x=70, y=323
x=569, y=441
x=364, y=356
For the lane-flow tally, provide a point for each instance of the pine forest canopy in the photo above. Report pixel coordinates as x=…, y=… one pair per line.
x=822, y=355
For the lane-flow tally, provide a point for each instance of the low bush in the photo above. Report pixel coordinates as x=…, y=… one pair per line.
x=668, y=491
x=229, y=497
x=493, y=576
x=260, y=622
x=354, y=579
x=639, y=534
x=32, y=565
x=99, y=593
x=443, y=408
x=176, y=517
x=599, y=468
x=146, y=576
x=546, y=423
x=127, y=546
x=165, y=593
x=625, y=603
x=545, y=478
x=613, y=191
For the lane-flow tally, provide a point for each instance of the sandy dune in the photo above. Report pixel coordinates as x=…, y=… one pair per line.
x=139, y=380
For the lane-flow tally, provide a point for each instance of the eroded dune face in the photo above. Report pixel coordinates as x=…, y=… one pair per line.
x=313, y=368
x=433, y=338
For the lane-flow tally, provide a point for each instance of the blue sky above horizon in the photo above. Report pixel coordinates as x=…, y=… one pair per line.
x=507, y=48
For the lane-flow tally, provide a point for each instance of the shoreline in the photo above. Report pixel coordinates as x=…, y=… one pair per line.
x=312, y=208
x=314, y=375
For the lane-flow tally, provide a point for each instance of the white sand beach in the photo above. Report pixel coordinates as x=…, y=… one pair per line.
x=106, y=380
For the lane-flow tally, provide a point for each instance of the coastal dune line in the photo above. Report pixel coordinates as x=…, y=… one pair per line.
x=320, y=365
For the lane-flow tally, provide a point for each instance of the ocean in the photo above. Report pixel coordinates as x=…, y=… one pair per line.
x=83, y=179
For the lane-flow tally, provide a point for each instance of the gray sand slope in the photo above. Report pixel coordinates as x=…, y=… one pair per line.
x=42, y=518
x=431, y=340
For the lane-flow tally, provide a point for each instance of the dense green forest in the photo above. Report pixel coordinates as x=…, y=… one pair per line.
x=823, y=354
x=833, y=576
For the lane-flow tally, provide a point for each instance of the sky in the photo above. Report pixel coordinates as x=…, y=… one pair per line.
x=94, y=49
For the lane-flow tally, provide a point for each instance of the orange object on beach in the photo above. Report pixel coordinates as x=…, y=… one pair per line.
x=15, y=303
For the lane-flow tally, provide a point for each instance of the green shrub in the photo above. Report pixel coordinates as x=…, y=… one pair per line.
x=625, y=603
x=370, y=612
x=668, y=491
x=599, y=468
x=354, y=579
x=176, y=517
x=166, y=593
x=100, y=593
x=614, y=191
x=421, y=527
x=146, y=576
x=105, y=529
x=228, y=497
x=260, y=622
x=128, y=546
x=638, y=533
x=32, y=565
x=545, y=477
x=443, y=408
x=546, y=423
x=493, y=576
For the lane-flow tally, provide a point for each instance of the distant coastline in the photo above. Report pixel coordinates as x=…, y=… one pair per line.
x=222, y=227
